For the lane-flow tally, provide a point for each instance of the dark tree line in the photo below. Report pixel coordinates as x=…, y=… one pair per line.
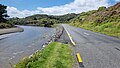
x=3, y=13
x=4, y=17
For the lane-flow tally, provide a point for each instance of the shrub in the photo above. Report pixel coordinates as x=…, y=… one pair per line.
x=101, y=8
x=5, y=25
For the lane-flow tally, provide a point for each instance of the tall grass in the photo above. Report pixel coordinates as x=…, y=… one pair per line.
x=110, y=28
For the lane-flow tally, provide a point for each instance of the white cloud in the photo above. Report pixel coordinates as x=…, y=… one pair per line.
x=74, y=7
x=14, y=12
x=117, y=0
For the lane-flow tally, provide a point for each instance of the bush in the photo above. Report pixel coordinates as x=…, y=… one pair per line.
x=101, y=8
x=5, y=25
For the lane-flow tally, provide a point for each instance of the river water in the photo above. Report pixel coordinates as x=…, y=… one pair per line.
x=15, y=46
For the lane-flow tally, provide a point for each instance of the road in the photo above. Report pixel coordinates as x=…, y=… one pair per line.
x=97, y=50
x=14, y=47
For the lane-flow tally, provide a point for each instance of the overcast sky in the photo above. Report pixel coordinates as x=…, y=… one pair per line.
x=23, y=8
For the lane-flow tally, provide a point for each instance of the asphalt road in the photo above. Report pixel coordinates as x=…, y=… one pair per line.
x=15, y=46
x=97, y=50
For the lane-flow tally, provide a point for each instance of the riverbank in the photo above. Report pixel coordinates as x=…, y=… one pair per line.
x=10, y=30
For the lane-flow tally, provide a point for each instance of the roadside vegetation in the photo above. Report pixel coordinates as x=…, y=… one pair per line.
x=5, y=25
x=104, y=20
x=55, y=55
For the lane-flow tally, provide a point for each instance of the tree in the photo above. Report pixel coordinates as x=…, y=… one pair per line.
x=3, y=13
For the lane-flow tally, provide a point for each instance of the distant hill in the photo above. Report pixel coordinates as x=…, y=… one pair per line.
x=43, y=19
x=104, y=20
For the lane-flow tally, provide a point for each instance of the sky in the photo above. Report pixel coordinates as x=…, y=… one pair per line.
x=24, y=8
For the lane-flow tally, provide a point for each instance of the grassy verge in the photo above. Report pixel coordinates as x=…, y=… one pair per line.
x=110, y=28
x=55, y=55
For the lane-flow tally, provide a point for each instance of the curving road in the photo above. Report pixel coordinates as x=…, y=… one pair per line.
x=14, y=47
x=97, y=50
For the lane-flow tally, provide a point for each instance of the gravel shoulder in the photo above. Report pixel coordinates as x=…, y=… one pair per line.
x=11, y=30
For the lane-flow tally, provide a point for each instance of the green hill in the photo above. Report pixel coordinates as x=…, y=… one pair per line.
x=104, y=20
x=42, y=19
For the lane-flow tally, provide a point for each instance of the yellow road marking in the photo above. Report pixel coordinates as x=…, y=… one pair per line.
x=78, y=54
x=70, y=38
x=73, y=43
x=79, y=58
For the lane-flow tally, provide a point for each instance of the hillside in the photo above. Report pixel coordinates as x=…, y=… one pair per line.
x=104, y=20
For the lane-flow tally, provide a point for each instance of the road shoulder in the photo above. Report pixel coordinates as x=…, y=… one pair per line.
x=11, y=30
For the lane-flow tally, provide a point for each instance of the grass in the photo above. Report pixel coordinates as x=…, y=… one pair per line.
x=110, y=28
x=55, y=55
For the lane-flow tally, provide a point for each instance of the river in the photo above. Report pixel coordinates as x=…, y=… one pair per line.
x=15, y=46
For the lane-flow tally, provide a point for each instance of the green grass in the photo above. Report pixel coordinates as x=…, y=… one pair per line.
x=55, y=55
x=110, y=28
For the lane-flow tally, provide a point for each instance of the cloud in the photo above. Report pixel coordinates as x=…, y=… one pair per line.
x=74, y=7
x=14, y=12
x=117, y=0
